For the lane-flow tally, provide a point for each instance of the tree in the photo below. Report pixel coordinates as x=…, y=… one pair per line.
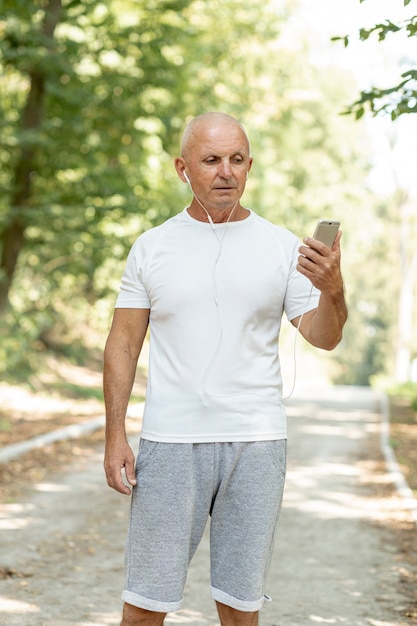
x=82, y=83
x=95, y=97
x=31, y=120
x=120, y=80
x=107, y=89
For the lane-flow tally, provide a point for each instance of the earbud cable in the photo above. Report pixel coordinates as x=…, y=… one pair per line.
x=294, y=356
x=220, y=240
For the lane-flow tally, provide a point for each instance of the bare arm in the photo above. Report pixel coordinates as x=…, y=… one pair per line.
x=323, y=326
x=121, y=354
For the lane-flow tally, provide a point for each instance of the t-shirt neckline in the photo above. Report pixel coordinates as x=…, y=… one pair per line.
x=189, y=218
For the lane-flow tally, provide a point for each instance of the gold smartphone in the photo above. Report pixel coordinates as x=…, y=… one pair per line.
x=326, y=231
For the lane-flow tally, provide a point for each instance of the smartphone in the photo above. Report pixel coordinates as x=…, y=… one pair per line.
x=326, y=231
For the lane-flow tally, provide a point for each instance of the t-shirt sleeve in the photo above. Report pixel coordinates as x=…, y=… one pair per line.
x=301, y=296
x=133, y=294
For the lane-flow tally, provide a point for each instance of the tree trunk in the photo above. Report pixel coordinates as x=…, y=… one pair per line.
x=405, y=322
x=13, y=235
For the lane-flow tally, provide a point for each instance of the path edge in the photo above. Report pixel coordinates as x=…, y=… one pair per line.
x=401, y=485
x=72, y=431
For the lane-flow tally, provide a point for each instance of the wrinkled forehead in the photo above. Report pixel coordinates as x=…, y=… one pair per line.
x=221, y=140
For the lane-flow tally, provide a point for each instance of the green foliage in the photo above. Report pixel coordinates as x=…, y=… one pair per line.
x=406, y=2
x=118, y=84
x=406, y=391
x=115, y=84
x=381, y=317
x=382, y=29
x=395, y=101
x=399, y=99
x=90, y=117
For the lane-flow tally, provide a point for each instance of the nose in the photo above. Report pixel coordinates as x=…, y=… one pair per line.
x=225, y=170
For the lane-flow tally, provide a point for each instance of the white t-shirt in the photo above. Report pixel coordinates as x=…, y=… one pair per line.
x=216, y=301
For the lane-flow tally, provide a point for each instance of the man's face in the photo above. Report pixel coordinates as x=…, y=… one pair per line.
x=217, y=161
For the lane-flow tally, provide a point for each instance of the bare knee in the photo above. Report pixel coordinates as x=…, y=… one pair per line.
x=233, y=617
x=135, y=616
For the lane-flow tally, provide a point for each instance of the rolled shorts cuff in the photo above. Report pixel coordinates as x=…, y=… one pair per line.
x=150, y=605
x=235, y=603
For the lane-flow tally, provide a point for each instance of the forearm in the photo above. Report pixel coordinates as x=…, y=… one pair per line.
x=118, y=378
x=120, y=361
x=323, y=327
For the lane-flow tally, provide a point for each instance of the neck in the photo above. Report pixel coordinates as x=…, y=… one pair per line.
x=233, y=213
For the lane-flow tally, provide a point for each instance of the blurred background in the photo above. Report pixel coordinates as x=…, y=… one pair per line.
x=93, y=100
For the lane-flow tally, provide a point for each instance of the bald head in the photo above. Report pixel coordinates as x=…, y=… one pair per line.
x=205, y=122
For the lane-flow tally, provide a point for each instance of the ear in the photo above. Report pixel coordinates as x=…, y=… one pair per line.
x=249, y=167
x=180, y=165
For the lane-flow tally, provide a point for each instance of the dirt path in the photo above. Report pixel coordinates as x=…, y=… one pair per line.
x=337, y=558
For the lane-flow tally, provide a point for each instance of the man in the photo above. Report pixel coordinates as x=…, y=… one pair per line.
x=213, y=283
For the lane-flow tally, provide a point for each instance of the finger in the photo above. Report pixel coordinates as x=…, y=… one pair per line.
x=336, y=244
x=308, y=256
x=316, y=246
x=121, y=486
x=115, y=480
x=130, y=472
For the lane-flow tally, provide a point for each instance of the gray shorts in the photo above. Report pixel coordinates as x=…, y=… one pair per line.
x=240, y=485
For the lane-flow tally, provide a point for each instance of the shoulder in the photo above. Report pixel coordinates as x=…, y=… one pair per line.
x=151, y=236
x=285, y=237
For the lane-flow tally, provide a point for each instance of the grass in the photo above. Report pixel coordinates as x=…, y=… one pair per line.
x=403, y=435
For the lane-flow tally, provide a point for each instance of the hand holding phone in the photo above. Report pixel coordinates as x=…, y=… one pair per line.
x=326, y=231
